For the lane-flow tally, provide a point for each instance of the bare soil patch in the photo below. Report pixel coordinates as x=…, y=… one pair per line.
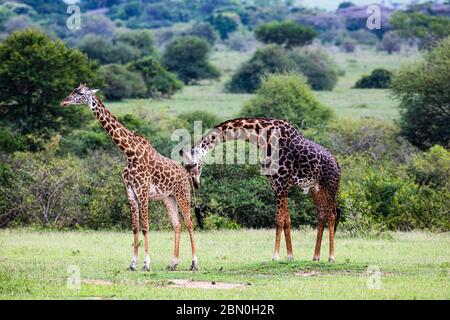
x=182, y=283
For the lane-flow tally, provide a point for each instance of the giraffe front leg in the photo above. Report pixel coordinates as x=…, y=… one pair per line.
x=184, y=201
x=144, y=222
x=134, y=204
x=280, y=219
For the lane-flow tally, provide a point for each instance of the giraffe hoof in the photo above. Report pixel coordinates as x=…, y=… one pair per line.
x=331, y=260
x=290, y=258
x=145, y=268
x=171, y=267
x=132, y=268
x=275, y=258
x=194, y=267
x=316, y=259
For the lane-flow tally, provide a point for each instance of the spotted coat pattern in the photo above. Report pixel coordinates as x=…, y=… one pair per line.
x=147, y=176
x=301, y=163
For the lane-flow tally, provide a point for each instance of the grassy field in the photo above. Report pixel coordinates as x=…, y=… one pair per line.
x=38, y=265
x=345, y=101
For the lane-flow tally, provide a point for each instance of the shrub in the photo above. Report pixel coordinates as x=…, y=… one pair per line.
x=204, y=31
x=288, y=34
x=249, y=200
x=208, y=120
x=103, y=51
x=423, y=91
x=121, y=83
x=141, y=40
x=30, y=93
x=391, y=43
x=432, y=168
x=381, y=141
x=317, y=67
x=188, y=58
x=224, y=24
x=287, y=96
x=378, y=79
x=247, y=78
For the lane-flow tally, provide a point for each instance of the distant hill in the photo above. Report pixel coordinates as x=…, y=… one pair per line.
x=332, y=5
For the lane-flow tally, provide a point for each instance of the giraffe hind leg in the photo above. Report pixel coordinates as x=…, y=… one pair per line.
x=172, y=209
x=134, y=204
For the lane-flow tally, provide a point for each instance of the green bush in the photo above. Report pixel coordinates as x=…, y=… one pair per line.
x=378, y=79
x=188, y=58
x=247, y=79
x=159, y=82
x=120, y=83
x=287, y=33
x=423, y=92
x=239, y=194
x=426, y=29
x=142, y=40
x=208, y=120
x=203, y=30
x=287, y=96
x=317, y=67
x=432, y=168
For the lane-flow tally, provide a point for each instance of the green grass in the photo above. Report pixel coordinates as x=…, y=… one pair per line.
x=34, y=265
x=345, y=101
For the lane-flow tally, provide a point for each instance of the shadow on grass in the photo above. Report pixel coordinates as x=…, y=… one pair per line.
x=293, y=267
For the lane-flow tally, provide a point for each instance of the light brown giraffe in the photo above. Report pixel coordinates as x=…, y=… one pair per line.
x=290, y=160
x=147, y=176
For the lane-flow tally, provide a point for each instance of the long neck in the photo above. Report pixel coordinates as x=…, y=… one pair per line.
x=254, y=130
x=125, y=139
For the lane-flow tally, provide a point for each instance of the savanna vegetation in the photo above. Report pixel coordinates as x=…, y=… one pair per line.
x=378, y=100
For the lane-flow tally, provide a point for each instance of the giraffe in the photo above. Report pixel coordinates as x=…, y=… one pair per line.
x=301, y=163
x=147, y=176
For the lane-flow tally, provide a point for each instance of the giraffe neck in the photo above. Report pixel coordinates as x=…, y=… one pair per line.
x=249, y=130
x=122, y=137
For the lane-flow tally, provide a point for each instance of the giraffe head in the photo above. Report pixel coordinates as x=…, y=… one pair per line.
x=194, y=167
x=80, y=95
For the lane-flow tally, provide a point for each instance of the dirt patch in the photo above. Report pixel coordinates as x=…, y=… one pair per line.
x=307, y=274
x=98, y=282
x=182, y=283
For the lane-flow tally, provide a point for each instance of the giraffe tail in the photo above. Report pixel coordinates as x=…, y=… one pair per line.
x=338, y=216
x=199, y=216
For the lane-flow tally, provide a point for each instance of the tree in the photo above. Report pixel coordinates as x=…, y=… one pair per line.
x=317, y=67
x=203, y=30
x=141, y=40
x=159, y=82
x=423, y=91
x=188, y=58
x=247, y=78
x=426, y=29
x=223, y=24
x=391, y=43
x=346, y=4
x=35, y=74
x=288, y=34
x=287, y=96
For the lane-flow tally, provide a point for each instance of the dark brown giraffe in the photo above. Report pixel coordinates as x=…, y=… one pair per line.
x=147, y=175
x=300, y=162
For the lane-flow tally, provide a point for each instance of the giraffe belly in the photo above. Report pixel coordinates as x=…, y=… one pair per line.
x=155, y=193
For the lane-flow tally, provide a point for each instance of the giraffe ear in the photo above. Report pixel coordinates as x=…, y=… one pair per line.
x=94, y=91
